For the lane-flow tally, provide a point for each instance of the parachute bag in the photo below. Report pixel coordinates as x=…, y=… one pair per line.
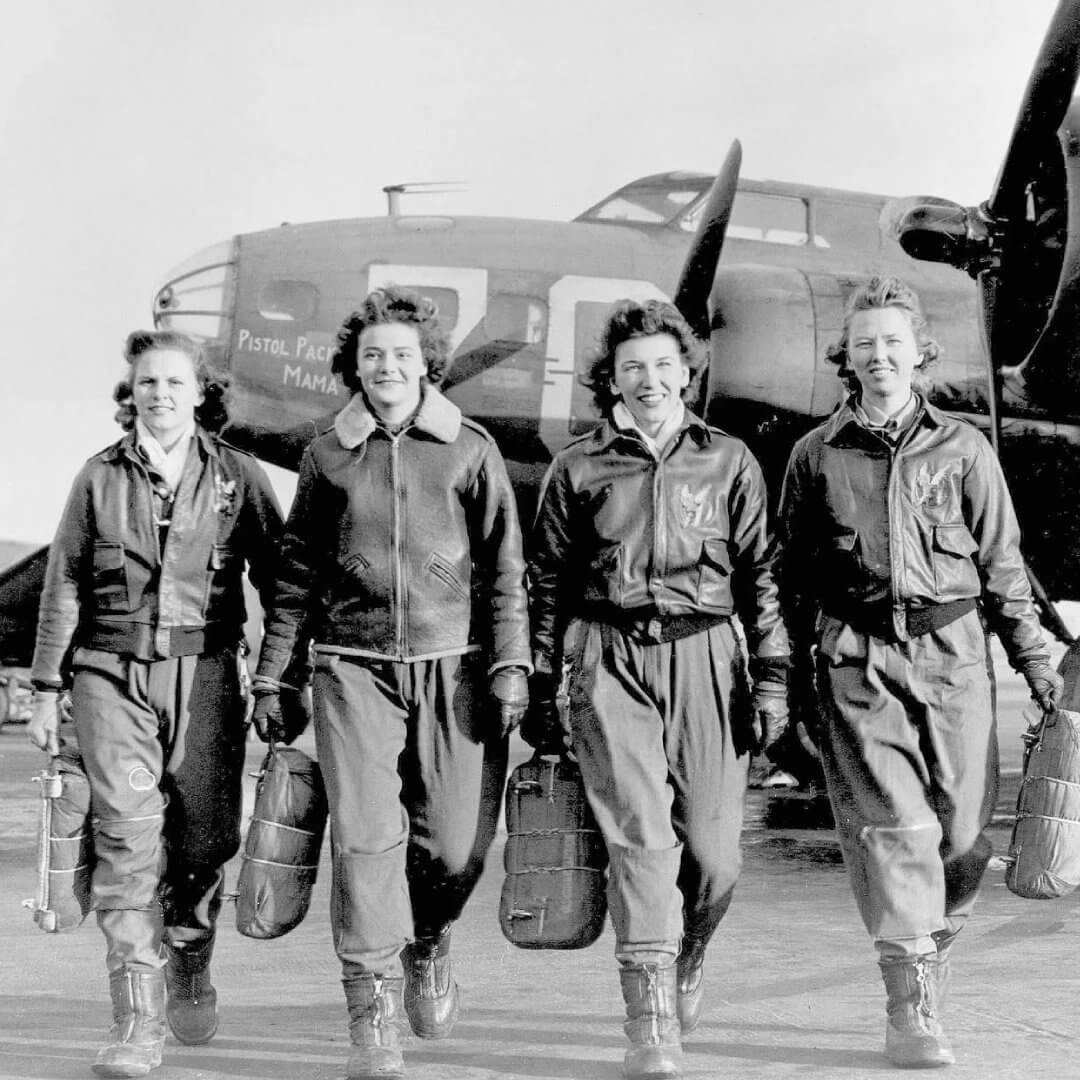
x=65, y=845
x=1044, y=854
x=281, y=851
x=553, y=896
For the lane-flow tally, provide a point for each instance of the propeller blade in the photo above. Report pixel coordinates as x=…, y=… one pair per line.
x=1051, y=370
x=699, y=269
x=1046, y=99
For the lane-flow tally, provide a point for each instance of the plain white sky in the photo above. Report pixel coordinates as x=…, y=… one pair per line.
x=136, y=132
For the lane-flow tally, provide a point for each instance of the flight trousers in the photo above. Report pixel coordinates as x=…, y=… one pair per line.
x=162, y=743
x=910, y=754
x=661, y=731
x=414, y=779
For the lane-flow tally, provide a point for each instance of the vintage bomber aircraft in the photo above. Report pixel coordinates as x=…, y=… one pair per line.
x=523, y=301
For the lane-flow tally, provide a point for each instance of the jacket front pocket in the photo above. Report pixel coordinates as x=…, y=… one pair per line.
x=714, y=574
x=110, y=577
x=354, y=565
x=222, y=559
x=441, y=569
x=955, y=573
x=605, y=576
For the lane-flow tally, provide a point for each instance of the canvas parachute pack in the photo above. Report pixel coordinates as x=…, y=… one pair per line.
x=1044, y=854
x=280, y=859
x=553, y=896
x=65, y=845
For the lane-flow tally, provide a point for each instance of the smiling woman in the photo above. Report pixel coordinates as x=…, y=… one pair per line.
x=142, y=616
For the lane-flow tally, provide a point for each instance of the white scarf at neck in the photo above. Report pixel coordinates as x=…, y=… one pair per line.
x=170, y=463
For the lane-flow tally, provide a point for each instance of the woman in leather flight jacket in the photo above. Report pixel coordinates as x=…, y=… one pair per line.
x=143, y=611
x=651, y=537
x=403, y=562
x=899, y=540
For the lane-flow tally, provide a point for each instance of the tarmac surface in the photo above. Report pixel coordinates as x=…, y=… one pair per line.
x=793, y=989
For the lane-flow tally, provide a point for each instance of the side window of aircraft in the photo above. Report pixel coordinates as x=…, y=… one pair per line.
x=282, y=300
x=772, y=219
x=516, y=318
x=589, y=320
x=446, y=300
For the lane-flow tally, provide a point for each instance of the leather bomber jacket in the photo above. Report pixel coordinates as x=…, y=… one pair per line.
x=620, y=534
x=111, y=586
x=402, y=547
x=923, y=522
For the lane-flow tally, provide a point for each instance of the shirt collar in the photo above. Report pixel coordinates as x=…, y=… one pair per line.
x=611, y=430
x=437, y=416
x=851, y=414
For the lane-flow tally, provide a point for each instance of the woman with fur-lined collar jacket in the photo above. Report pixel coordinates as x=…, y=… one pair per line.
x=403, y=562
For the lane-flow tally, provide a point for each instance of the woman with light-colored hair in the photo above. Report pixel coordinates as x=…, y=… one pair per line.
x=142, y=617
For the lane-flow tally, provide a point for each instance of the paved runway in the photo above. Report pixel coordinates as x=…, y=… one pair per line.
x=793, y=988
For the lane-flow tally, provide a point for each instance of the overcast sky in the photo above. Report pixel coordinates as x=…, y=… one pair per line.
x=137, y=132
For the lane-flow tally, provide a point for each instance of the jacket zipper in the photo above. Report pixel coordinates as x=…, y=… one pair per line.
x=396, y=533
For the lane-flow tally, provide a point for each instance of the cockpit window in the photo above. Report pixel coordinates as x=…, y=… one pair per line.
x=646, y=205
x=288, y=301
x=196, y=295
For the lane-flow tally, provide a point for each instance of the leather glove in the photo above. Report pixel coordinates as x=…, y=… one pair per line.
x=44, y=725
x=542, y=727
x=510, y=688
x=770, y=715
x=1045, y=683
x=281, y=713
x=807, y=707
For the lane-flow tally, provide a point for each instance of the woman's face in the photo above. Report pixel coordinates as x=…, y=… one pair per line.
x=165, y=392
x=391, y=366
x=650, y=376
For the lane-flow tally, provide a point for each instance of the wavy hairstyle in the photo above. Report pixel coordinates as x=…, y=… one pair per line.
x=631, y=319
x=393, y=304
x=213, y=414
x=885, y=292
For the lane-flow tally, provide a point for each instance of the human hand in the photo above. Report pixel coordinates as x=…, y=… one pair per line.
x=542, y=726
x=44, y=726
x=510, y=688
x=1045, y=683
x=770, y=718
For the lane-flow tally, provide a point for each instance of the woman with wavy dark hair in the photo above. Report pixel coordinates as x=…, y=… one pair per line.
x=402, y=561
x=142, y=616
x=652, y=535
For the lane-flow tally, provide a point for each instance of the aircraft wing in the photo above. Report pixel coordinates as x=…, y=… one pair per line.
x=20, y=591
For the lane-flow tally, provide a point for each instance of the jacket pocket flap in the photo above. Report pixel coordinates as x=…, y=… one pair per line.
x=355, y=564
x=954, y=540
x=108, y=556
x=845, y=541
x=716, y=553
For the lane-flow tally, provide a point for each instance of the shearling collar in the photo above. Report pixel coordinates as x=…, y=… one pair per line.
x=437, y=416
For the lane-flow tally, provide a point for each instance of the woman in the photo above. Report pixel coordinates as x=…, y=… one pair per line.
x=651, y=536
x=142, y=613
x=901, y=550
x=402, y=561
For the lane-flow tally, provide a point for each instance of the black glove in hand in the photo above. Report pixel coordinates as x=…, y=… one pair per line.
x=770, y=716
x=542, y=727
x=510, y=688
x=1045, y=683
x=281, y=714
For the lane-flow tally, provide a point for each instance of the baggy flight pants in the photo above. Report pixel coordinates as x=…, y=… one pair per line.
x=162, y=743
x=664, y=765
x=414, y=786
x=911, y=761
